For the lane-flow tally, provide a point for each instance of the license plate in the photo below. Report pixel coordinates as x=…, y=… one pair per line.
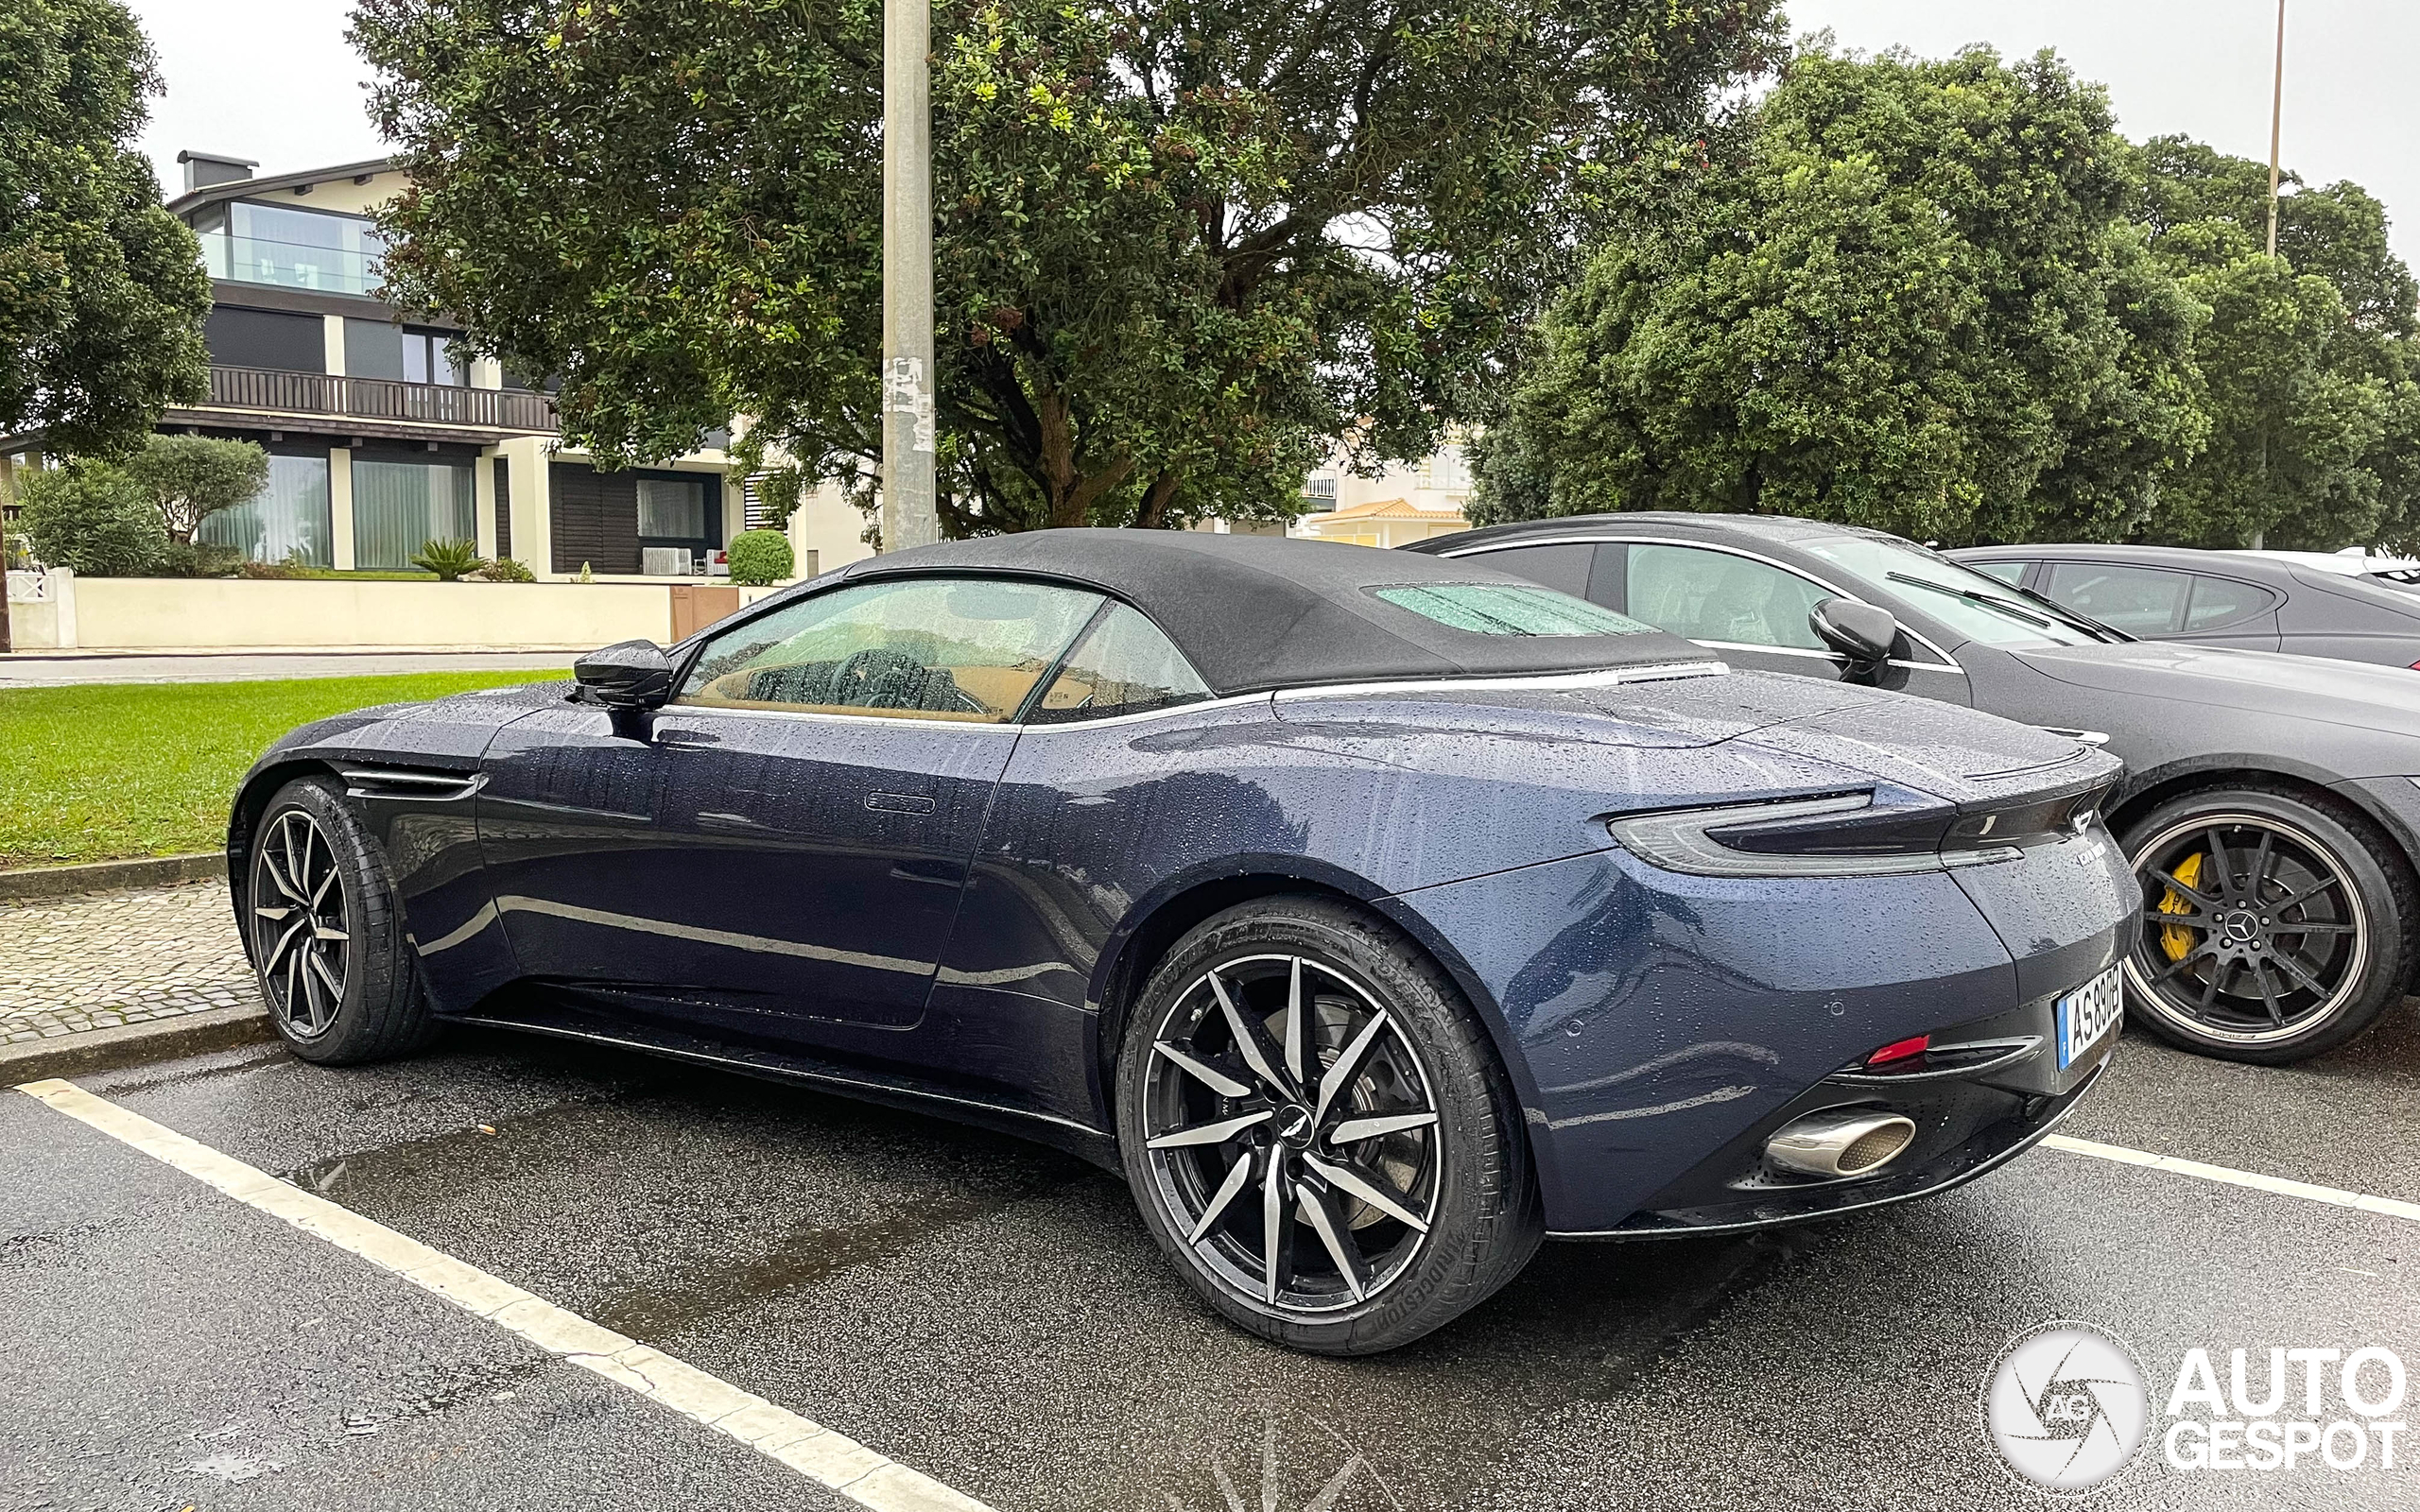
x=2086, y=1015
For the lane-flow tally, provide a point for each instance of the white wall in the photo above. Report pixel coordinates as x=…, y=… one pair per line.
x=212, y=612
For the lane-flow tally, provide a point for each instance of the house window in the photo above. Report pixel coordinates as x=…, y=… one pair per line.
x=416, y=355
x=289, y=516
x=400, y=506
x=672, y=510
x=238, y=337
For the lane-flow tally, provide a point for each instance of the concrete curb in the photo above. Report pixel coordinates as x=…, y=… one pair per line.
x=102, y=876
x=136, y=1045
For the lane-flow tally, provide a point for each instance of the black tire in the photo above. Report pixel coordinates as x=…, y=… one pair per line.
x=1465, y=1175
x=340, y=979
x=2221, y=967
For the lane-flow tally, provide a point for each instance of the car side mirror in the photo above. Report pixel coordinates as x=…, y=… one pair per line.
x=626, y=674
x=1862, y=633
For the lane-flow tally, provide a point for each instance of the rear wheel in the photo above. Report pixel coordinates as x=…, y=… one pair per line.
x=1318, y=1132
x=340, y=978
x=2272, y=928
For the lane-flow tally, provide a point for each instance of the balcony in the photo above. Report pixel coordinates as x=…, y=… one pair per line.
x=294, y=264
x=385, y=400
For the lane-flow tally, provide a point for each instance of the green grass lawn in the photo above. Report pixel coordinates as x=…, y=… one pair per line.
x=100, y=772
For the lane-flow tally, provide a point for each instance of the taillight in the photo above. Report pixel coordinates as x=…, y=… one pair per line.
x=1899, y=1050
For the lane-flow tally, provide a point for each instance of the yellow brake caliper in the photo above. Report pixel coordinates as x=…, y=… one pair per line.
x=2177, y=939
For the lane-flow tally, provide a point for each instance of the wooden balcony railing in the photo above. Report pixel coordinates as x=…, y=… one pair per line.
x=317, y=394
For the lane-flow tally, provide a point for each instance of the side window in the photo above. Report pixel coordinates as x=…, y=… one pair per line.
x=1713, y=595
x=1560, y=565
x=2007, y=572
x=1123, y=666
x=2219, y=602
x=958, y=648
x=2138, y=600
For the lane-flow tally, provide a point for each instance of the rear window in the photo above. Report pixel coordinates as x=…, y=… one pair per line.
x=1509, y=609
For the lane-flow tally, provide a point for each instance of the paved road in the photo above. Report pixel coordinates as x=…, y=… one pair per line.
x=992, y=1313
x=34, y=670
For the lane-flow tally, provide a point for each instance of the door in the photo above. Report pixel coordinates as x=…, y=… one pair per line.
x=826, y=770
x=1755, y=611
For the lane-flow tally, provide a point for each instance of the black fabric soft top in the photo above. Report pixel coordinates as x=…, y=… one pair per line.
x=1252, y=613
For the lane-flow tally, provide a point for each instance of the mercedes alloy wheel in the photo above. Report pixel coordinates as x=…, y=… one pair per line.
x=2273, y=929
x=325, y=933
x=1318, y=1132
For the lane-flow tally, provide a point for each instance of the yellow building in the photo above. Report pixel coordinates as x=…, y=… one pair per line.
x=383, y=433
x=1382, y=522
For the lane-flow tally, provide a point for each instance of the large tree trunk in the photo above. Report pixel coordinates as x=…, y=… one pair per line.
x=1070, y=491
x=1153, y=512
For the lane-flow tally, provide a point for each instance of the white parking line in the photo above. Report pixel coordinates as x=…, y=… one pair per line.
x=809, y=1448
x=2228, y=1176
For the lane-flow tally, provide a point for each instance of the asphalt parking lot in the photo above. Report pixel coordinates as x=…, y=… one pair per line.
x=993, y=1315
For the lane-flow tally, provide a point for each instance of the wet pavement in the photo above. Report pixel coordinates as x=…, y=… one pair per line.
x=993, y=1313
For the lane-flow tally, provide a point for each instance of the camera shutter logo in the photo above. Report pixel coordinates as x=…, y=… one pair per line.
x=2066, y=1408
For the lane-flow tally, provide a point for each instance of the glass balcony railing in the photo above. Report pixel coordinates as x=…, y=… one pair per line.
x=291, y=265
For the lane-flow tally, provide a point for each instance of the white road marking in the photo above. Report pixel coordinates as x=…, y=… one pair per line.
x=2228, y=1176
x=814, y=1451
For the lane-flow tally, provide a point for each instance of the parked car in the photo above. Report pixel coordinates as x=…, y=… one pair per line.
x=2271, y=806
x=1372, y=914
x=2254, y=600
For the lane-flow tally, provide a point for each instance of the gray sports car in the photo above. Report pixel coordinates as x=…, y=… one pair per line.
x=2252, y=600
x=2271, y=806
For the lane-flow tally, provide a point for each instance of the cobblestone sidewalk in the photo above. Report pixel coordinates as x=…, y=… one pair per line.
x=100, y=960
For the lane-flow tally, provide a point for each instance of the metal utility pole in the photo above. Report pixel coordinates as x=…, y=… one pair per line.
x=908, y=516
x=2276, y=120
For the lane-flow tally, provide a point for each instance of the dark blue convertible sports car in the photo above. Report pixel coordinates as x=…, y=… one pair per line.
x=1375, y=915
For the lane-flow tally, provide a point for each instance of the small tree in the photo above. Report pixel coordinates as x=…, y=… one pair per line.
x=93, y=518
x=761, y=557
x=193, y=477
x=102, y=292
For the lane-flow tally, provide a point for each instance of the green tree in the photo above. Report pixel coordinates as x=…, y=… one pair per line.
x=1181, y=249
x=102, y=292
x=92, y=517
x=2308, y=359
x=1896, y=293
x=193, y=477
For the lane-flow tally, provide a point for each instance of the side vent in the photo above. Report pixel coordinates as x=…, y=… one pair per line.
x=397, y=783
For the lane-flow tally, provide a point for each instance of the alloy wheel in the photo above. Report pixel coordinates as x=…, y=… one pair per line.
x=2252, y=931
x=1291, y=1134
x=298, y=923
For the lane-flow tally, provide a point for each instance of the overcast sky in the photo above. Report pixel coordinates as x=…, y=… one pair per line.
x=273, y=80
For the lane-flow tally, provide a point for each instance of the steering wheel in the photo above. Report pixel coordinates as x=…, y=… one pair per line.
x=874, y=675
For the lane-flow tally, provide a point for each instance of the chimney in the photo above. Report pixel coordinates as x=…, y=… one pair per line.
x=202, y=169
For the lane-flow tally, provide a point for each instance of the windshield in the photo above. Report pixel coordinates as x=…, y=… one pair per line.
x=1979, y=607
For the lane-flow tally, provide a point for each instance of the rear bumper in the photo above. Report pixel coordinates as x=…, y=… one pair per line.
x=1967, y=1126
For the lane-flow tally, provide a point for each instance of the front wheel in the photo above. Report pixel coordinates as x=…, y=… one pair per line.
x=2273, y=929
x=327, y=940
x=1318, y=1132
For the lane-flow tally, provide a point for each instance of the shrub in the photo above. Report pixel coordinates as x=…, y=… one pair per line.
x=198, y=558
x=93, y=518
x=449, y=560
x=502, y=570
x=761, y=557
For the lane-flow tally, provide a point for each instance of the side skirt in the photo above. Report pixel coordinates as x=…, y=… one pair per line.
x=1079, y=1140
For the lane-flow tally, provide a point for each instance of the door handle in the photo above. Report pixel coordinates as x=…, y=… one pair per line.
x=687, y=739
x=899, y=804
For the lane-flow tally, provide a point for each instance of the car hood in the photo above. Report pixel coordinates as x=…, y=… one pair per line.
x=452, y=731
x=2355, y=694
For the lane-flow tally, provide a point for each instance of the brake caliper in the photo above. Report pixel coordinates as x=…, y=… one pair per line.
x=2177, y=939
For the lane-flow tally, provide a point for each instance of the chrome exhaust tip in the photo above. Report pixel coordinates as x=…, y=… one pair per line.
x=1841, y=1141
